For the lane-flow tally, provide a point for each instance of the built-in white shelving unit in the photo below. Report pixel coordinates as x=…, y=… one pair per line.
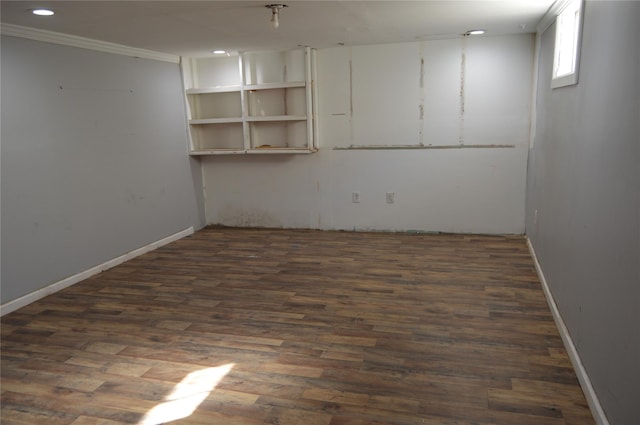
x=252, y=103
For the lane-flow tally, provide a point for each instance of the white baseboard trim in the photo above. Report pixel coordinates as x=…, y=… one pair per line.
x=583, y=377
x=72, y=280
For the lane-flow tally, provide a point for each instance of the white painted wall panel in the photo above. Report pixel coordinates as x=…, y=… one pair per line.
x=497, y=96
x=334, y=94
x=442, y=64
x=217, y=71
x=452, y=190
x=476, y=191
x=263, y=190
x=385, y=86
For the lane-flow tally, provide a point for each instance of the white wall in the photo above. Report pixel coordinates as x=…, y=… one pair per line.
x=373, y=95
x=584, y=183
x=94, y=160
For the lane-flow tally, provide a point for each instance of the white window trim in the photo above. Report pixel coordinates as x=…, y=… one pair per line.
x=571, y=78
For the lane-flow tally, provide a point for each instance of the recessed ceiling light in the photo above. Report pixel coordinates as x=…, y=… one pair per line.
x=475, y=32
x=42, y=12
x=218, y=52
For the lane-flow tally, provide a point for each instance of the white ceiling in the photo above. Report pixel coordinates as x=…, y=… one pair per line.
x=194, y=28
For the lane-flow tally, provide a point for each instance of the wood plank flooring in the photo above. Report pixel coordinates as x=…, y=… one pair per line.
x=288, y=327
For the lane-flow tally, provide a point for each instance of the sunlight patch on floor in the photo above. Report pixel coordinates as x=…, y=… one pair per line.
x=187, y=395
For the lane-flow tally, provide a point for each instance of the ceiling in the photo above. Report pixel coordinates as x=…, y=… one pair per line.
x=195, y=28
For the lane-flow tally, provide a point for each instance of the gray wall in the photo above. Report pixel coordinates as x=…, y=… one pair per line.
x=584, y=182
x=94, y=160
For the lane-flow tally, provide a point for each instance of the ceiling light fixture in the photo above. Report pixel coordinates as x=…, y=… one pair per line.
x=219, y=52
x=275, y=13
x=42, y=12
x=475, y=32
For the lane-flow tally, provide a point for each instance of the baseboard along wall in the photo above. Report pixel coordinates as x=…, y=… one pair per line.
x=581, y=372
x=13, y=305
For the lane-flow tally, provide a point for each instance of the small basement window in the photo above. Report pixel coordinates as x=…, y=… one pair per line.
x=567, y=48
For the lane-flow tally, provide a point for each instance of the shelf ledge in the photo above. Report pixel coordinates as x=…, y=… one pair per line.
x=254, y=151
x=271, y=86
x=201, y=121
x=277, y=118
x=287, y=151
x=217, y=152
x=217, y=89
x=398, y=147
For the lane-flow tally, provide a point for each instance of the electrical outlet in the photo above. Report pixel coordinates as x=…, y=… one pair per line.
x=355, y=197
x=391, y=197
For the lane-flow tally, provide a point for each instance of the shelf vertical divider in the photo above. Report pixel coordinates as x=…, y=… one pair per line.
x=309, y=105
x=193, y=70
x=313, y=100
x=188, y=80
x=244, y=104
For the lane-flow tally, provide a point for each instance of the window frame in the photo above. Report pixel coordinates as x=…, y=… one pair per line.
x=573, y=10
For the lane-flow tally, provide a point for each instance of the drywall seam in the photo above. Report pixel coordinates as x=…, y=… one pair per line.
x=72, y=280
x=84, y=43
x=581, y=372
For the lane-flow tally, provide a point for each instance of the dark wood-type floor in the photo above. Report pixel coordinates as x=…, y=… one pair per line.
x=299, y=327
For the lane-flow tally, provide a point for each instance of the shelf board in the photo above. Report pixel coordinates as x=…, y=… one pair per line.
x=272, y=118
x=256, y=151
x=218, y=89
x=271, y=86
x=216, y=121
x=217, y=152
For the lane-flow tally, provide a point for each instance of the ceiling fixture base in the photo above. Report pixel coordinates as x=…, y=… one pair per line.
x=275, y=13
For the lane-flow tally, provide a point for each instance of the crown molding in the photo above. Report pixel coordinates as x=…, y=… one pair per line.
x=550, y=17
x=84, y=43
